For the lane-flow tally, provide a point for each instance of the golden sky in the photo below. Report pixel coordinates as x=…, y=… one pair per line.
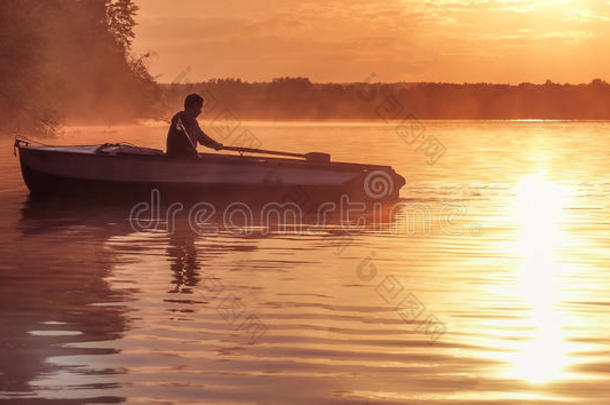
x=505, y=41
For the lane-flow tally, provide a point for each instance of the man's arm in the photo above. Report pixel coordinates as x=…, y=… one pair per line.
x=205, y=140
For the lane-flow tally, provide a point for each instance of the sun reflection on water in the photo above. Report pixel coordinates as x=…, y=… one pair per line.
x=537, y=209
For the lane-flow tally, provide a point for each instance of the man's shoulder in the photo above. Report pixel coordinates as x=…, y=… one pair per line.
x=179, y=114
x=185, y=118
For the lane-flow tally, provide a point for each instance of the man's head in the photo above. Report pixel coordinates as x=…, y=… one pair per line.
x=193, y=103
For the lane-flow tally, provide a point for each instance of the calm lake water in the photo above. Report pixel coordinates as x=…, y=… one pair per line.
x=499, y=294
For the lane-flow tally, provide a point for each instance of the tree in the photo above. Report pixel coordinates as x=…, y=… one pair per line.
x=120, y=17
x=69, y=59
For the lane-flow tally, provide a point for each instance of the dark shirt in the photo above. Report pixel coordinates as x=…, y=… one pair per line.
x=183, y=135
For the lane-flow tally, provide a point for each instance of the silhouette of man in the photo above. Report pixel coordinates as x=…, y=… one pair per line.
x=184, y=131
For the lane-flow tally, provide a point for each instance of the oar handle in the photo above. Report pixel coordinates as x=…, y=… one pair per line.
x=264, y=151
x=315, y=157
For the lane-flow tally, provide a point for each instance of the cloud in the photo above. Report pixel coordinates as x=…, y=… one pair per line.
x=345, y=40
x=528, y=36
x=475, y=6
x=585, y=15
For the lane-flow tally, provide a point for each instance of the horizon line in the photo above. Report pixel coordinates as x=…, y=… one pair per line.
x=548, y=81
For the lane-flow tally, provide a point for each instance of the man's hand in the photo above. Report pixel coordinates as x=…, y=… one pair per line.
x=218, y=146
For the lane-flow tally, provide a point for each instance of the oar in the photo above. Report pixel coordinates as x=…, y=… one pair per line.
x=311, y=156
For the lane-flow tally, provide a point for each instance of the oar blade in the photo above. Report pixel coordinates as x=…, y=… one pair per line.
x=317, y=157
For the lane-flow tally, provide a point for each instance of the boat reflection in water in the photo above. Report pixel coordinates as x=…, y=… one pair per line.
x=59, y=309
x=91, y=275
x=183, y=261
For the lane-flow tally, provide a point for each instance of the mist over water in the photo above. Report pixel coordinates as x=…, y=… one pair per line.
x=70, y=61
x=95, y=310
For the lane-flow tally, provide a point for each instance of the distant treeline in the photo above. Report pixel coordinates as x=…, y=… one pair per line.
x=298, y=98
x=70, y=60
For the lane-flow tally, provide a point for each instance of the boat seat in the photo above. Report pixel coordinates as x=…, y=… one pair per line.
x=123, y=148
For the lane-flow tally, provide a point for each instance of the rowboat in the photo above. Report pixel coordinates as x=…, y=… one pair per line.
x=121, y=170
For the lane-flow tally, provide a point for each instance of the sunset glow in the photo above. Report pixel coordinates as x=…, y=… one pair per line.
x=401, y=40
x=305, y=202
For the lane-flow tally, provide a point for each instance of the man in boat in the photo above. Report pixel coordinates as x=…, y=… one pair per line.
x=184, y=132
